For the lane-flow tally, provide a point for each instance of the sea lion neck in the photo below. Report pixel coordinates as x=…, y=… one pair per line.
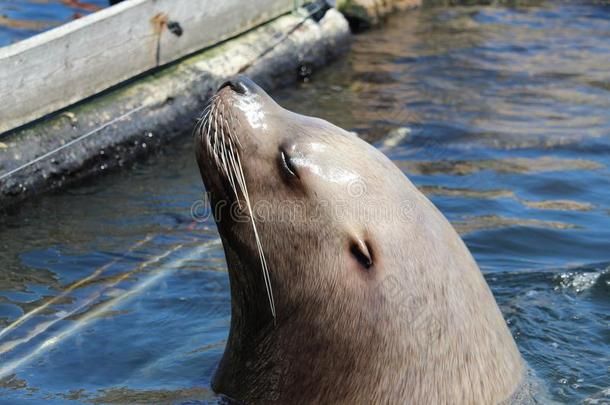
x=250, y=312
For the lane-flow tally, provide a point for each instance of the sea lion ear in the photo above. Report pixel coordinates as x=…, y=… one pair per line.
x=362, y=252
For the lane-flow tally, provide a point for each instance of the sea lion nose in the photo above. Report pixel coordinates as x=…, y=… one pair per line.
x=238, y=84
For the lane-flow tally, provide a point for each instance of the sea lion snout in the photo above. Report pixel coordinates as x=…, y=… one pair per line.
x=239, y=84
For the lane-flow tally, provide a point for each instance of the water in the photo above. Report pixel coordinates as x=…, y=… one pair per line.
x=501, y=115
x=20, y=19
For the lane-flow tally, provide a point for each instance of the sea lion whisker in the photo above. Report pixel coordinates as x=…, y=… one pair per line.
x=216, y=134
x=200, y=120
x=236, y=179
x=223, y=151
x=228, y=151
x=266, y=277
x=206, y=111
x=201, y=123
x=223, y=139
x=259, y=246
x=231, y=135
x=217, y=140
x=233, y=120
x=233, y=175
x=208, y=135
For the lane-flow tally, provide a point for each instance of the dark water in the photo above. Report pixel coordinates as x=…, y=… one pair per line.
x=20, y=19
x=501, y=115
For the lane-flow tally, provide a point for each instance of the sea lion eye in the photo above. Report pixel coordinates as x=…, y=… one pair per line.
x=362, y=253
x=287, y=165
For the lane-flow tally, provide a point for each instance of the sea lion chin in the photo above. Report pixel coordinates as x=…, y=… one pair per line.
x=347, y=284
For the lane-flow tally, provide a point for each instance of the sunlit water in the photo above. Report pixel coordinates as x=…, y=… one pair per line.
x=500, y=115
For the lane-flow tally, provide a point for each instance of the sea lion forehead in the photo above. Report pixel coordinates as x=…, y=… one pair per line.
x=321, y=160
x=253, y=111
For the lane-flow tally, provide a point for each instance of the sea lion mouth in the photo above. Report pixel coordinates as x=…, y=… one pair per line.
x=219, y=154
x=218, y=143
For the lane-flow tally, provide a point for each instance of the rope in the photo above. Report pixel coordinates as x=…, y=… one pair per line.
x=312, y=8
x=72, y=142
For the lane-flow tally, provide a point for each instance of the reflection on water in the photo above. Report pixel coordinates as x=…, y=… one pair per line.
x=20, y=19
x=498, y=114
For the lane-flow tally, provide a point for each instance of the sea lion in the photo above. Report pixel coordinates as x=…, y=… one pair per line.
x=350, y=286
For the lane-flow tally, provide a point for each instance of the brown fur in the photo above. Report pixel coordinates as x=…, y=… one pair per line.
x=420, y=326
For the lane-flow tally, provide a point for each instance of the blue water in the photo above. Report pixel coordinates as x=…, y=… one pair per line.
x=501, y=115
x=20, y=19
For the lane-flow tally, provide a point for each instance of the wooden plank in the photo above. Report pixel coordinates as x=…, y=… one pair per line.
x=57, y=68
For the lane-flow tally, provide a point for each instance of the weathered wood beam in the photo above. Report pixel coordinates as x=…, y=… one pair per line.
x=57, y=68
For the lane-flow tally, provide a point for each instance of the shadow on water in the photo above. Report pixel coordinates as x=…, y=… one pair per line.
x=498, y=113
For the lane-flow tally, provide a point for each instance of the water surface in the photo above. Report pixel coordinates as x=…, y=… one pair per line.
x=20, y=19
x=500, y=115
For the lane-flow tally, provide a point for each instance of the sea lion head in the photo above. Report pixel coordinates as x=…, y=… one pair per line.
x=312, y=189
x=333, y=257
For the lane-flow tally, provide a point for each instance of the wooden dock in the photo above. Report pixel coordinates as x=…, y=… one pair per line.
x=102, y=91
x=57, y=68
